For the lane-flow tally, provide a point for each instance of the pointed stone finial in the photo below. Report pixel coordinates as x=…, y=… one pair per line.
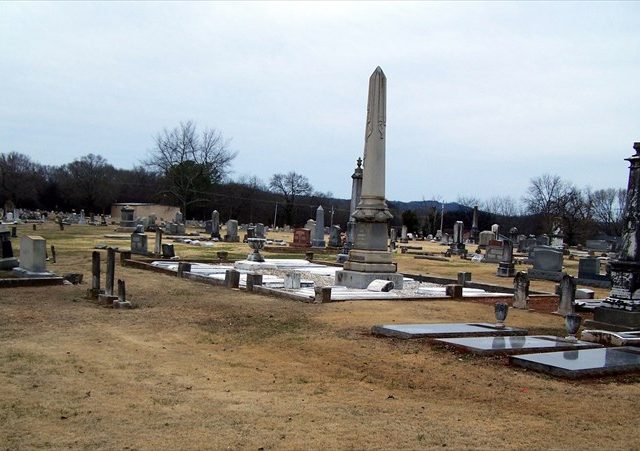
x=359, y=162
x=636, y=147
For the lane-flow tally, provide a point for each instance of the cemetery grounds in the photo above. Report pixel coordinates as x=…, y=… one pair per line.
x=199, y=366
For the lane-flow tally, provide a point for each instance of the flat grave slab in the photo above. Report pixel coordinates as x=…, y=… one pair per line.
x=514, y=344
x=444, y=330
x=582, y=363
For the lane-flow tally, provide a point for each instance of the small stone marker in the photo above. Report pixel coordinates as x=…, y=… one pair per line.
x=521, y=290
x=567, y=295
x=253, y=279
x=453, y=290
x=94, y=291
x=183, y=267
x=111, y=269
x=121, y=301
x=232, y=278
x=292, y=280
x=157, y=245
x=322, y=295
x=53, y=254
x=14, y=232
x=463, y=278
x=168, y=251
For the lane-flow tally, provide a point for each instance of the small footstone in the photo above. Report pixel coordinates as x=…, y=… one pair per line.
x=380, y=285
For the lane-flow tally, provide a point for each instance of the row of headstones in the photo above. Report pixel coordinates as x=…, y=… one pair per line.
x=567, y=291
x=33, y=253
x=302, y=238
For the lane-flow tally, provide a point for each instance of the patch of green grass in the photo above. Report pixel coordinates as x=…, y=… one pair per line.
x=251, y=328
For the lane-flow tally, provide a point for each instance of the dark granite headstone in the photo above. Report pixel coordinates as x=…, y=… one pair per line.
x=444, y=330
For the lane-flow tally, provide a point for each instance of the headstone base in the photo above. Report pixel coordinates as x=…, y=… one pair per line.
x=598, y=283
x=361, y=280
x=505, y=270
x=545, y=275
x=616, y=320
x=107, y=298
x=8, y=263
x=21, y=272
x=318, y=243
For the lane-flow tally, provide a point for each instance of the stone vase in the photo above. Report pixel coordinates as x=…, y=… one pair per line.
x=572, y=323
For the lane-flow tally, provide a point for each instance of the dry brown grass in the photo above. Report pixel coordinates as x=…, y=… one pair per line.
x=196, y=366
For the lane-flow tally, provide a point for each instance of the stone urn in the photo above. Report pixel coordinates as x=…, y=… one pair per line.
x=256, y=244
x=572, y=322
x=501, y=309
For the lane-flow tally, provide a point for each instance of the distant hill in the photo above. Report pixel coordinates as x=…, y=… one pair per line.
x=421, y=205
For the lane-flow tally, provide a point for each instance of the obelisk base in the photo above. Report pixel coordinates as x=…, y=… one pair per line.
x=357, y=279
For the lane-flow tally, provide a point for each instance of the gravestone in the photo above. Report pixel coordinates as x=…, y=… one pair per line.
x=444, y=330
x=526, y=244
x=493, y=253
x=232, y=232
x=495, y=229
x=168, y=251
x=567, y=296
x=215, y=224
x=82, y=219
x=484, y=237
x=521, y=290
x=33, y=250
x=139, y=243
x=292, y=280
x=513, y=234
x=475, y=232
x=259, y=230
x=301, y=238
x=505, y=266
x=486, y=346
x=457, y=247
x=547, y=264
x=542, y=240
x=179, y=218
x=334, y=237
x=403, y=235
x=126, y=217
x=318, y=236
x=589, y=273
x=157, y=245
x=356, y=190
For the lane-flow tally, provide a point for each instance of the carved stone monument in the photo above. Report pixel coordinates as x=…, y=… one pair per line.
x=521, y=290
x=318, y=233
x=475, y=232
x=215, y=224
x=369, y=259
x=621, y=310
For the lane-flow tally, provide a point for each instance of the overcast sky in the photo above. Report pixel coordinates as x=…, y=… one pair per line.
x=480, y=96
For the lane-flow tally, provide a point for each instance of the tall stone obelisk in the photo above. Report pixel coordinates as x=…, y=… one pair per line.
x=621, y=310
x=370, y=259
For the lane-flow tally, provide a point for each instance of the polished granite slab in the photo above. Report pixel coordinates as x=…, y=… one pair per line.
x=582, y=363
x=444, y=330
x=514, y=344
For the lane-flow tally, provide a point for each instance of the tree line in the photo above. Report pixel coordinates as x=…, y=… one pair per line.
x=191, y=169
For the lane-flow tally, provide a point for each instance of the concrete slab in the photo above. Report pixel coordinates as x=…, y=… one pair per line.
x=582, y=363
x=513, y=345
x=444, y=330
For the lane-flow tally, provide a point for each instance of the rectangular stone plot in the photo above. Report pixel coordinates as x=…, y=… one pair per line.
x=582, y=363
x=444, y=330
x=514, y=344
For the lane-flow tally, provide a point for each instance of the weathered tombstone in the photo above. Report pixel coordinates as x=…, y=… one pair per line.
x=179, y=218
x=14, y=232
x=301, y=238
x=232, y=232
x=157, y=244
x=53, y=254
x=139, y=243
x=111, y=270
x=475, y=232
x=484, y=237
x=7, y=260
x=493, y=252
x=356, y=190
x=33, y=251
x=567, y=295
x=495, y=229
x=232, y=278
x=260, y=230
x=253, y=279
x=521, y=290
x=458, y=247
x=463, y=278
x=126, y=217
x=542, y=240
x=322, y=295
x=318, y=236
x=82, y=219
x=215, y=224
x=453, y=290
x=403, y=235
x=183, y=267
x=168, y=251
x=513, y=234
x=505, y=266
x=334, y=237
x=547, y=264
x=292, y=280
x=589, y=273
x=9, y=216
x=95, y=274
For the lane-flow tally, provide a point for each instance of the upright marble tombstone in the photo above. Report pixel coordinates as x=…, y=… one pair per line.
x=458, y=247
x=311, y=225
x=521, y=290
x=259, y=230
x=33, y=250
x=547, y=263
x=318, y=234
x=484, y=237
x=495, y=229
x=215, y=224
x=505, y=266
x=370, y=258
x=356, y=190
x=126, y=217
x=567, y=295
x=620, y=311
x=334, y=236
x=232, y=231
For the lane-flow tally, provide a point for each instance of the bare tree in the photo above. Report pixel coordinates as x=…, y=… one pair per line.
x=502, y=206
x=468, y=201
x=190, y=163
x=88, y=182
x=291, y=186
x=607, y=207
x=20, y=179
